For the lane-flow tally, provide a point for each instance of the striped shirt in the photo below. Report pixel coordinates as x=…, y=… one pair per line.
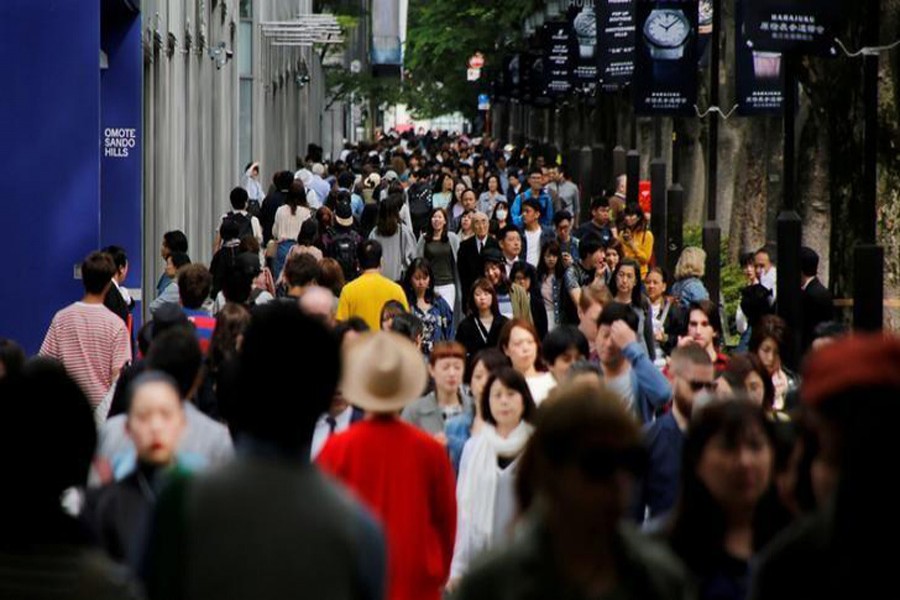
x=204, y=326
x=92, y=344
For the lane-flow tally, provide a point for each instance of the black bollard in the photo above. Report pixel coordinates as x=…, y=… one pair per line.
x=633, y=171
x=619, y=159
x=868, y=287
x=675, y=226
x=658, y=220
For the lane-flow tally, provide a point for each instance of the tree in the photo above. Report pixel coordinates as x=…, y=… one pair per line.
x=442, y=35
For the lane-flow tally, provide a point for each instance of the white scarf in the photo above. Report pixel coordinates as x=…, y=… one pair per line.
x=477, y=486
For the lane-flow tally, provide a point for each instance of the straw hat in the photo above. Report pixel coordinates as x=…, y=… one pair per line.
x=383, y=372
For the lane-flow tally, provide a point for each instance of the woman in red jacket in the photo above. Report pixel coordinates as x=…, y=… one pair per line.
x=401, y=473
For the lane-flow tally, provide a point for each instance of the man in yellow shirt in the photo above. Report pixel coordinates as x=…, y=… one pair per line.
x=365, y=296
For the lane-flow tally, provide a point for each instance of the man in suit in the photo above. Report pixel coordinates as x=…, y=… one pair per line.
x=815, y=299
x=468, y=259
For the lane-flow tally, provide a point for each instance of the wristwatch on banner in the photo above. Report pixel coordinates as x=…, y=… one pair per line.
x=666, y=32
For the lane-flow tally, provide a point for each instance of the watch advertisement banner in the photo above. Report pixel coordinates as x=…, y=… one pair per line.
x=582, y=21
x=759, y=75
x=559, y=57
x=534, y=79
x=512, y=76
x=666, y=73
x=616, y=25
x=801, y=26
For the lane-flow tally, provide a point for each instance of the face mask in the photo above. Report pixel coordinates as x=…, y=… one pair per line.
x=501, y=215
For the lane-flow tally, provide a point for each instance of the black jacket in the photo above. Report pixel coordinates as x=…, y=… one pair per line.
x=116, y=303
x=468, y=335
x=267, y=213
x=468, y=262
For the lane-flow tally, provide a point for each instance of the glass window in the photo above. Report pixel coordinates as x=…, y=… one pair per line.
x=245, y=49
x=246, y=9
x=245, y=122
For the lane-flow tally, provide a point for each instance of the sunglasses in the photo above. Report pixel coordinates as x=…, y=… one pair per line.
x=600, y=464
x=709, y=386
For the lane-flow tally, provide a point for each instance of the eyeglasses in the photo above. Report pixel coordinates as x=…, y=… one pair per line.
x=696, y=386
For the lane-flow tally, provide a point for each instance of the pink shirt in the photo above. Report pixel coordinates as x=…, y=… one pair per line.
x=92, y=344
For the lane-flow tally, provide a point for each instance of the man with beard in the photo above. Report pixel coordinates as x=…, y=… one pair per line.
x=691, y=373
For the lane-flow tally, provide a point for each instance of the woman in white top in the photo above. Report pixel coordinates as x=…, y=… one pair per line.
x=489, y=199
x=485, y=490
x=442, y=198
x=290, y=216
x=520, y=341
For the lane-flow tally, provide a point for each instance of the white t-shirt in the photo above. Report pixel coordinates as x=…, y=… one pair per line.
x=620, y=385
x=533, y=247
x=323, y=430
x=540, y=385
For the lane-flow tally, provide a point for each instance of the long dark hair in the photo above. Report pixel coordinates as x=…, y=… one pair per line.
x=482, y=283
x=635, y=209
x=697, y=532
x=296, y=196
x=419, y=264
x=388, y=221
x=429, y=230
x=551, y=247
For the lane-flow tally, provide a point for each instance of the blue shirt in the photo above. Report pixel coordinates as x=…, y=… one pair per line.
x=546, y=208
x=664, y=441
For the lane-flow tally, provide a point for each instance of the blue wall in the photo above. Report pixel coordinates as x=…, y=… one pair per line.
x=64, y=196
x=121, y=95
x=49, y=116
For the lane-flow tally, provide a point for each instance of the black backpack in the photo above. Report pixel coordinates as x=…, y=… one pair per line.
x=343, y=249
x=244, y=223
x=419, y=198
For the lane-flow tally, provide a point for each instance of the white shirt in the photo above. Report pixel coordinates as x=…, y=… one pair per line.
x=540, y=386
x=769, y=280
x=323, y=430
x=533, y=247
x=620, y=385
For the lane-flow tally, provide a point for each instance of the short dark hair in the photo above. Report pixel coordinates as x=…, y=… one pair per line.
x=809, y=261
x=356, y=324
x=239, y=198
x=534, y=170
x=510, y=228
x=616, y=311
x=283, y=179
x=179, y=259
x=561, y=216
x=600, y=201
x=513, y=380
x=97, y=271
x=408, y=325
x=45, y=396
x=194, y=284
x=12, y=357
x=589, y=245
x=266, y=407
x=176, y=241
x=176, y=352
x=229, y=230
x=560, y=340
x=533, y=204
x=301, y=270
x=369, y=255
x=308, y=232
x=117, y=254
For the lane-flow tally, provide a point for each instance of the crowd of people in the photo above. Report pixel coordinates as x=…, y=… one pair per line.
x=417, y=372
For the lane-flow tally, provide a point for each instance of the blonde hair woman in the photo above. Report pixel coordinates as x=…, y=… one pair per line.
x=688, y=287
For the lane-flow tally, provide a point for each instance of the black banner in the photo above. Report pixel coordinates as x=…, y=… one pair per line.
x=759, y=75
x=616, y=26
x=665, y=81
x=512, y=76
x=559, y=56
x=582, y=19
x=801, y=26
